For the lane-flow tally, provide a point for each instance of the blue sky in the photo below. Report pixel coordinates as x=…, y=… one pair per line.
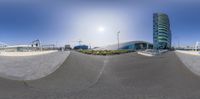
x=65, y=22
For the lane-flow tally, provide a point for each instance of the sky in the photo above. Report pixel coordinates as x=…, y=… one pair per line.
x=95, y=22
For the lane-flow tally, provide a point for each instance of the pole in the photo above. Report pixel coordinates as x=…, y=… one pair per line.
x=118, y=39
x=178, y=43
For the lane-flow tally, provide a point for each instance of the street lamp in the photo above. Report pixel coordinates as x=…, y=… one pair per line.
x=118, y=39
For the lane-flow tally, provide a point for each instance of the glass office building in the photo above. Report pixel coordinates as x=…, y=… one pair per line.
x=161, y=31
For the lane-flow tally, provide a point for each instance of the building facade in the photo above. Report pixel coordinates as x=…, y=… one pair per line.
x=132, y=45
x=19, y=48
x=81, y=47
x=161, y=31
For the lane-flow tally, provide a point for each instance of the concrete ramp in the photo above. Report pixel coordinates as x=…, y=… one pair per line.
x=127, y=76
x=30, y=67
x=191, y=60
x=78, y=72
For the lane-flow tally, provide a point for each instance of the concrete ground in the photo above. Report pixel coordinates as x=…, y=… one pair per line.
x=191, y=61
x=127, y=76
x=193, y=53
x=31, y=67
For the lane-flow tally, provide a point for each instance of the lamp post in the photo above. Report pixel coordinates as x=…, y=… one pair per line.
x=118, y=39
x=196, y=46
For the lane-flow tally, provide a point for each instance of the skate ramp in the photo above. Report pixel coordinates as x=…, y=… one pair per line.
x=30, y=67
x=78, y=72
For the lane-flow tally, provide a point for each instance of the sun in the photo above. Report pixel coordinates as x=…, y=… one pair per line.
x=101, y=29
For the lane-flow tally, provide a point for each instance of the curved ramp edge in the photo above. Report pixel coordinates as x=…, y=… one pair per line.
x=31, y=67
x=191, y=61
x=78, y=72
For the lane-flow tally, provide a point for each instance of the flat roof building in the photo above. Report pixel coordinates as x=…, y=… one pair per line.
x=132, y=45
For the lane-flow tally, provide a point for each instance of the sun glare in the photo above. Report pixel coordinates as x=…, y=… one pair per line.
x=101, y=29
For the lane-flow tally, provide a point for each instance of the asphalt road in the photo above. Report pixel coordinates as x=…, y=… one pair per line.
x=127, y=76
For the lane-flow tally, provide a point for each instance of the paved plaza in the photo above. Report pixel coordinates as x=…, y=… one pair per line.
x=126, y=76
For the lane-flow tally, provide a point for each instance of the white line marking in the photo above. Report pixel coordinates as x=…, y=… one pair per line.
x=101, y=71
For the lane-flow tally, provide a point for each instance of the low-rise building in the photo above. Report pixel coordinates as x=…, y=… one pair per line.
x=132, y=45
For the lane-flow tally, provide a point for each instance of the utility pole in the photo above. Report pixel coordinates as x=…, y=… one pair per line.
x=118, y=39
x=179, y=44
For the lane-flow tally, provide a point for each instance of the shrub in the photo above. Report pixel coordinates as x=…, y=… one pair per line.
x=104, y=52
